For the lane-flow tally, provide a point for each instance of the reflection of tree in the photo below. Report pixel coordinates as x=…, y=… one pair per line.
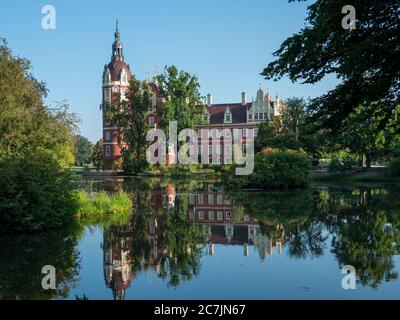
x=286, y=217
x=365, y=241
x=22, y=258
x=181, y=239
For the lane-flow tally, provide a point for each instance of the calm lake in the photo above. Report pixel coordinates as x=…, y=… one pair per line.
x=196, y=240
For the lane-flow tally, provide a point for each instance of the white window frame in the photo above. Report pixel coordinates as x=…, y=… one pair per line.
x=108, y=151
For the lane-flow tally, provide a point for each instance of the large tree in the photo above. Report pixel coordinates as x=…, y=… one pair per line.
x=183, y=102
x=83, y=150
x=36, y=149
x=131, y=117
x=366, y=60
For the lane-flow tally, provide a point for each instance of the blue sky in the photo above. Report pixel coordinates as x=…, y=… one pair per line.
x=226, y=43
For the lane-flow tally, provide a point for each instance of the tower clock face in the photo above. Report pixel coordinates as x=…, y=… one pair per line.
x=115, y=89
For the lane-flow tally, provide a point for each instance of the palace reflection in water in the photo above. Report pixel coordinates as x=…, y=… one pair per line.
x=199, y=240
x=174, y=225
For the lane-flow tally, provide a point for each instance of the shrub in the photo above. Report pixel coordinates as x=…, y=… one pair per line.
x=395, y=167
x=36, y=193
x=341, y=164
x=275, y=170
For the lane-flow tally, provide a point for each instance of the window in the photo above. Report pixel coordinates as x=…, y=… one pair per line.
x=227, y=133
x=107, y=95
x=201, y=215
x=192, y=198
x=245, y=132
x=151, y=121
x=205, y=118
x=210, y=199
x=235, y=133
x=108, y=151
x=250, y=116
x=210, y=150
x=200, y=133
x=228, y=215
x=211, y=215
x=219, y=215
x=256, y=116
x=265, y=116
x=228, y=150
x=261, y=116
x=219, y=199
x=218, y=149
x=123, y=77
x=227, y=118
x=107, y=136
x=255, y=132
x=200, y=198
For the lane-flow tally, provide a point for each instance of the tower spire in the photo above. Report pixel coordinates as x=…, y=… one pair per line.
x=117, y=50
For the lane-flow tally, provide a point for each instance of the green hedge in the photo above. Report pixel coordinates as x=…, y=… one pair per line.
x=275, y=170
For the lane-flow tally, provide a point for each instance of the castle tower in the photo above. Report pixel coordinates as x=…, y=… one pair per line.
x=115, y=84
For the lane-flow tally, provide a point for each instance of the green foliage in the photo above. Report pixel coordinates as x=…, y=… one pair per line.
x=103, y=208
x=275, y=170
x=83, y=150
x=36, y=148
x=341, y=164
x=183, y=101
x=131, y=117
x=38, y=195
x=395, y=167
x=364, y=59
x=98, y=155
x=291, y=130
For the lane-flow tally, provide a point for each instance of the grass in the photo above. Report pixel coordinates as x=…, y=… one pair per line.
x=102, y=208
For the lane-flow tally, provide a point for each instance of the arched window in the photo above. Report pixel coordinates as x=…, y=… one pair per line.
x=107, y=76
x=123, y=76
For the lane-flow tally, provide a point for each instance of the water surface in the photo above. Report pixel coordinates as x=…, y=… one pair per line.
x=196, y=240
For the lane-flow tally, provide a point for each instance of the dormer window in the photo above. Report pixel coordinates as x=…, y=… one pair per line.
x=228, y=116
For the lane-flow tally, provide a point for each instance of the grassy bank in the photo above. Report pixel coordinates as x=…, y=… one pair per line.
x=101, y=208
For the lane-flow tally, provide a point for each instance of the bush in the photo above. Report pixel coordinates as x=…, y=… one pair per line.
x=395, y=167
x=275, y=170
x=341, y=164
x=36, y=193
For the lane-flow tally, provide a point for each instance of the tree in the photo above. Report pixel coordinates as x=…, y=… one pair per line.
x=36, y=149
x=83, y=150
x=183, y=102
x=98, y=155
x=290, y=130
x=131, y=116
x=366, y=60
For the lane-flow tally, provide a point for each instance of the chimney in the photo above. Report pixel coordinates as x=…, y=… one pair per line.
x=243, y=98
x=209, y=99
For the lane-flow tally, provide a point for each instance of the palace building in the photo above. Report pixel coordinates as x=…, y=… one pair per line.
x=244, y=116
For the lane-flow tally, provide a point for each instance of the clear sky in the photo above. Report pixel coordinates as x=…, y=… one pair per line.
x=226, y=43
